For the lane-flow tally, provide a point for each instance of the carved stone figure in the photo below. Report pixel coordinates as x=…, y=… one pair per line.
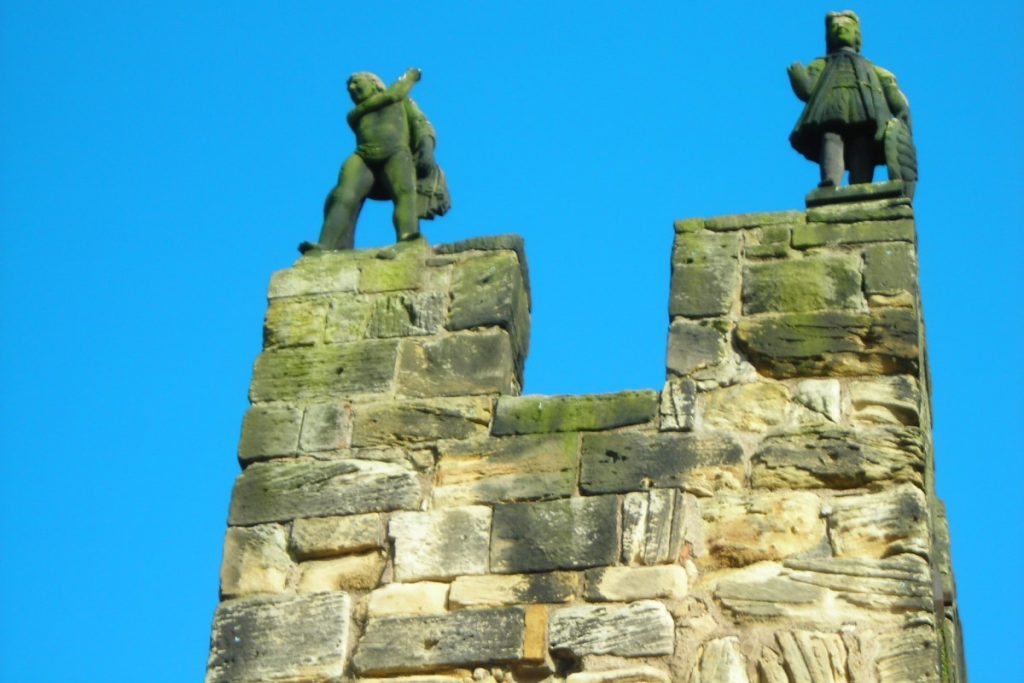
x=856, y=117
x=394, y=159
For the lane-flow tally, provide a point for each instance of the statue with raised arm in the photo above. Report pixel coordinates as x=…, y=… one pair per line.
x=856, y=117
x=394, y=159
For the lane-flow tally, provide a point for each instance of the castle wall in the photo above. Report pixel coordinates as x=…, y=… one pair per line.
x=403, y=514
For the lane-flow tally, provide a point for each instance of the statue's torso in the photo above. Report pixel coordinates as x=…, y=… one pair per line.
x=381, y=133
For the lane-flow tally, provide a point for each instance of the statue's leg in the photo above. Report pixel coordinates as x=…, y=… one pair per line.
x=344, y=203
x=859, y=159
x=831, y=160
x=400, y=174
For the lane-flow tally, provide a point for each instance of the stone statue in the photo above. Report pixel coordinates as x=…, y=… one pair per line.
x=394, y=159
x=856, y=117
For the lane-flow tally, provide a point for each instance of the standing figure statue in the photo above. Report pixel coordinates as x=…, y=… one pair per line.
x=856, y=117
x=394, y=159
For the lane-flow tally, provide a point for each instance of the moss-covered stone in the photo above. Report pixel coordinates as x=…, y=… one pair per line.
x=406, y=314
x=740, y=221
x=348, y=318
x=886, y=209
x=619, y=462
x=890, y=268
x=539, y=414
x=519, y=468
x=705, y=289
x=462, y=364
x=856, y=193
x=705, y=246
x=318, y=372
x=832, y=343
x=324, y=274
x=689, y=225
x=394, y=268
x=411, y=422
x=268, y=431
x=507, y=242
x=693, y=345
x=295, y=322
x=807, y=284
x=821, y=234
x=570, y=533
x=326, y=426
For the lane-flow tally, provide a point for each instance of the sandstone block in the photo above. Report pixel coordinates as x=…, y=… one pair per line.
x=810, y=655
x=889, y=268
x=424, y=597
x=464, y=638
x=720, y=661
x=613, y=463
x=489, y=290
x=497, y=590
x=678, y=408
x=256, y=640
x=834, y=457
x=881, y=524
x=771, y=596
x=331, y=273
x=531, y=467
x=255, y=561
x=832, y=343
x=295, y=322
x=634, y=674
x=748, y=528
x=801, y=285
x=394, y=268
x=269, y=430
x=440, y=543
x=411, y=422
x=656, y=526
x=324, y=371
x=280, y=491
x=331, y=536
x=540, y=414
x=704, y=247
x=627, y=584
x=351, y=572
x=899, y=583
x=823, y=396
x=701, y=290
x=885, y=209
x=635, y=630
x=909, y=654
x=406, y=314
x=457, y=365
x=740, y=221
x=326, y=427
x=348, y=318
x=754, y=407
x=821, y=234
x=570, y=533
x=886, y=400
x=693, y=346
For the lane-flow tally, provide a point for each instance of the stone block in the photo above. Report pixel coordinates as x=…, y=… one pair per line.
x=324, y=371
x=721, y=661
x=910, y=654
x=319, y=275
x=627, y=584
x=507, y=242
x=823, y=396
x=489, y=290
x=800, y=285
x=614, y=463
x=424, y=597
x=321, y=537
x=348, y=573
x=839, y=458
x=458, y=365
x=810, y=655
x=295, y=322
x=858, y=193
x=497, y=590
x=754, y=407
x=256, y=640
x=406, y=314
x=394, y=268
x=540, y=414
x=886, y=400
x=484, y=637
x=518, y=468
x=890, y=268
x=571, y=533
x=255, y=561
x=687, y=225
x=677, y=411
x=440, y=544
x=832, y=343
x=693, y=346
x=885, y=209
x=413, y=422
x=283, y=490
x=704, y=247
x=900, y=583
x=771, y=596
x=640, y=629
x=742, y=221
x=657, y=525
x=746, y=528
x=268, y=431
x=633, y=674
x=326, y=427
x=831, y=234
x=701, y=290
x=882, y=524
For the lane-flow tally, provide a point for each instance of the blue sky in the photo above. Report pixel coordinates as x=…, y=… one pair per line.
x=159, y=160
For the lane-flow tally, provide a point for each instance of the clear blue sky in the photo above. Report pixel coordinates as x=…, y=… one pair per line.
x=158, y=160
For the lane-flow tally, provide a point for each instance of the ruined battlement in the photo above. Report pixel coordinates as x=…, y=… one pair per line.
x=403, y=514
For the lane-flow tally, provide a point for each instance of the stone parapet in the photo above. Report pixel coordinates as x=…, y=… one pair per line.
x=404, y=515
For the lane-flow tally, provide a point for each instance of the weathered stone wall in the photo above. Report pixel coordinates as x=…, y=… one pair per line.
x=404, y=515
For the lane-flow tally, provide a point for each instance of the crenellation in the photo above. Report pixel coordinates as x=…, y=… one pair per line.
x=404, y=515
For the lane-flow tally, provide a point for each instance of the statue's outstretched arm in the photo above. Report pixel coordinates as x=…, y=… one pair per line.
x=803, y=79
x=395, y=92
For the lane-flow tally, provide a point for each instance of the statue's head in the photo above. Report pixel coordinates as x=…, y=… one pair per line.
x=842, y=29
x=362, y=84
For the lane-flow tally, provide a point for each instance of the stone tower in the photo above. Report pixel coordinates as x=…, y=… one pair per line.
x=405, y=515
